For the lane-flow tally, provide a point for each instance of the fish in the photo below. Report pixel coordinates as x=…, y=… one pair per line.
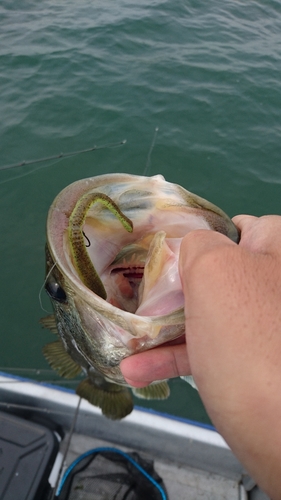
x=112, y=253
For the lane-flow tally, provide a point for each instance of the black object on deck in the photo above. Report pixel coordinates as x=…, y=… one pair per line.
x=27, y=454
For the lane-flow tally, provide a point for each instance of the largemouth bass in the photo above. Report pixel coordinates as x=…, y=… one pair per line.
x=112, y=275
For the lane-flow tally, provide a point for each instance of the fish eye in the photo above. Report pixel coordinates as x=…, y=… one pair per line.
x=55, y=291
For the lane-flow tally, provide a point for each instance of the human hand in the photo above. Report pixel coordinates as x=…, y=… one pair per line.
x=233, y=338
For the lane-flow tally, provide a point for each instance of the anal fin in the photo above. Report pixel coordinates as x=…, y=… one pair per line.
x=159, y=390
x=60, y=360
x=114, y=400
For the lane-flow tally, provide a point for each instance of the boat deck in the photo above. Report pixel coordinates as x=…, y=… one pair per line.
x=194, y=461
x=182, y=482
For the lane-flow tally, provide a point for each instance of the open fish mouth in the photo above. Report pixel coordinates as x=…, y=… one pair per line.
x=126, y=274
x=113, y=245
x=115, y=239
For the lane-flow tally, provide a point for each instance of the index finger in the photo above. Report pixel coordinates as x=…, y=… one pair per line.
x=198, y=243
x=260, y=234
x=167, y=361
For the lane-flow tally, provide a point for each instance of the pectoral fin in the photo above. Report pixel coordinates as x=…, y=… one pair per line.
x=60, y=360
x=49, y=322
x=114, y=400
x=159, y=390
x=190, y=380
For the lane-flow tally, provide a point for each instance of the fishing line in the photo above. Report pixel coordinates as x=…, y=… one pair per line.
x=24, y=174
x=146, y=170
x=52, y=159
x=40, y=291
x=66, y=448
x=63, y=155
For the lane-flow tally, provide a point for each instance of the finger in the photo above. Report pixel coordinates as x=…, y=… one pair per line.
x=157, y=364
x=178, y=340
x=243, y=222
x=259, y=234
x=197, y=243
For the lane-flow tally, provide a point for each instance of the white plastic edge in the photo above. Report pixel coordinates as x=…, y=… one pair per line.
x=137, y=417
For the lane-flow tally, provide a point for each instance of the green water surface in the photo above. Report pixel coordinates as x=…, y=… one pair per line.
x=78, y=74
